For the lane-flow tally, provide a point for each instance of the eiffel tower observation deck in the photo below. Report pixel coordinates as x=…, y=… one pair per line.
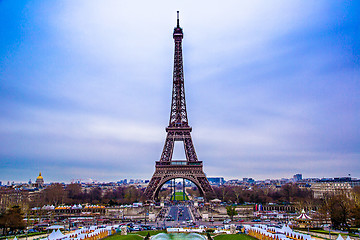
x=178, y=130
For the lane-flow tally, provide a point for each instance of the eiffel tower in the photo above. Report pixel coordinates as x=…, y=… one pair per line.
x=178, y=130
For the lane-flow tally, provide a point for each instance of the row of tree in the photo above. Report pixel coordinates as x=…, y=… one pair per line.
x=237, y=194
x=57, y=194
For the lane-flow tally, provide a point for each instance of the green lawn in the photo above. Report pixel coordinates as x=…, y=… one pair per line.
x=23, y=235
x=234, y=237
x=130, y=236
x=179, y=196
x=134, y=235
x=152, y=232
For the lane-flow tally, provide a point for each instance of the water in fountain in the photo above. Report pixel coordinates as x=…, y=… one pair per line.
x=178, y=236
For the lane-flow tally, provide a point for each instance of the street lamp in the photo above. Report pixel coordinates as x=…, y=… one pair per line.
x=145, y=214
x=27, y=223
x=146, y=205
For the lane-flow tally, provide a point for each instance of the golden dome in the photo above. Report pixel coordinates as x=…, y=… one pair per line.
x=39, y=177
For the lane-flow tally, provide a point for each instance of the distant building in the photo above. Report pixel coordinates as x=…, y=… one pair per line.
x=137, y=181
x=333, y=186
x=233, y=182
x=321, y=188
x=39, y=181
x=216, y=180
x=248, y=180
x=297, y=177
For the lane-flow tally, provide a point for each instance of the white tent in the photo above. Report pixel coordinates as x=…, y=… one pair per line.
x=59, y=233
x=55, y=235
x=286, y=229
x=55, y=227
x=52, y=235
x=339, y=237
x=348, y=238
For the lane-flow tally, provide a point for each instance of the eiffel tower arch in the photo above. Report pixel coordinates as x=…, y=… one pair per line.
x=178, y=130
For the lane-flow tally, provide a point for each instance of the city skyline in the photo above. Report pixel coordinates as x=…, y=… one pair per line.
x=272, y=89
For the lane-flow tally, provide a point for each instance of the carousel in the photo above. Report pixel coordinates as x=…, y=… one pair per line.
x=303, y=220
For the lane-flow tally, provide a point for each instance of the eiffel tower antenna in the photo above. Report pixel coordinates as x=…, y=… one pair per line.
x=178, y=130
x=178, y=21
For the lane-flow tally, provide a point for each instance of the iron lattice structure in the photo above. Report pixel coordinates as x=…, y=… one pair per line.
x=178, y=130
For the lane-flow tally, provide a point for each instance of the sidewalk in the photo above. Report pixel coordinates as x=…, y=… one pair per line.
x=23, y=237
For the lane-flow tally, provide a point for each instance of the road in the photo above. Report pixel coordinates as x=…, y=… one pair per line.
x=179, y=213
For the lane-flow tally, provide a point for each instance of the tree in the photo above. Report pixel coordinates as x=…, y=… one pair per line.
x=132, y=194
x=163, y=193
x=74, y=193
x=238, y=192
x=355, y=211
x=95, y=195
x=224, y=191
x=230, y=210
x=12, y=219
x=339, y=207
x=55, y=194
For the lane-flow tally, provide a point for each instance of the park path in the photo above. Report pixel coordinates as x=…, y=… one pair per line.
x=326, y=236
x=33, y=237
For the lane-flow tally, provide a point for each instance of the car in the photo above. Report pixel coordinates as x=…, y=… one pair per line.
x=136, y=228
x=145, y=227
x=239, y=227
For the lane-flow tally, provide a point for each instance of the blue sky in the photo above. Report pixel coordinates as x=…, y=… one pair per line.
x=272, y=88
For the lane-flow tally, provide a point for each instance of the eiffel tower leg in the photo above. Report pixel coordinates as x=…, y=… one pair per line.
x=150, y=190
x=183, y=188
x=174, y=189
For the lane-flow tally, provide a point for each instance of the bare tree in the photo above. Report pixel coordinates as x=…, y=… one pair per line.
x=55, y=194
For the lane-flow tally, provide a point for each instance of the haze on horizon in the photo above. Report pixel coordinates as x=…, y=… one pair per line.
x=272, y=88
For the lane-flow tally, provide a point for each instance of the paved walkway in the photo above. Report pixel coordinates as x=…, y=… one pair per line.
x=30, y=237
x=325, y=236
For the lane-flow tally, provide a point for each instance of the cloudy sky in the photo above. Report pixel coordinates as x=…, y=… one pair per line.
x=272, y=87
